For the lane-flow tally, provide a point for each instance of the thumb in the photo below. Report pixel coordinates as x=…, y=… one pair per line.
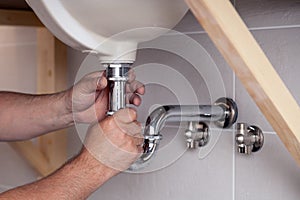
x=125, y=115
x=101, y=82
x=92, y=82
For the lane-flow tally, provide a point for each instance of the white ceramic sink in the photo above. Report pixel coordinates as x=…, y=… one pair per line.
x=111, y=28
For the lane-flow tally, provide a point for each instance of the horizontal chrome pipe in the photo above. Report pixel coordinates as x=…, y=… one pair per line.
x=184, y=113
x=224, y=113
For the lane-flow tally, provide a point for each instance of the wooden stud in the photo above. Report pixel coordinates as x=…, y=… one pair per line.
x=19, y=18
x=33, y=155
x=50, y=153
x=52, y=74
x=246, y=58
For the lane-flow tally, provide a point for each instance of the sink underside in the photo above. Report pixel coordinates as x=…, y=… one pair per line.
x=112, y=29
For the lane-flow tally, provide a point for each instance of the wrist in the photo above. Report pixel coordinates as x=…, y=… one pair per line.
x=67, y=100
x=93, y=171
x=65, y=108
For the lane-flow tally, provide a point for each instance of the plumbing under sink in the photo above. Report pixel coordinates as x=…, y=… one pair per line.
x=112, y=30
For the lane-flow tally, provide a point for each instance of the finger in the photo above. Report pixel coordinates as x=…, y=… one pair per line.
x=134, y=99
x=133, y=129
x=101, y=83
x=140, y=149
x=93, y=82
x=95, y=74
x=135, y=87
x=125, y=115
x=101, y=103
x=139, y=141
x=138, y=134
x=131, y=76
x=136, y=140
x=97, y=79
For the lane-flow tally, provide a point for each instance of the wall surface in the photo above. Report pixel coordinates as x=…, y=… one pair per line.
x=176, y=70
x=17, y=73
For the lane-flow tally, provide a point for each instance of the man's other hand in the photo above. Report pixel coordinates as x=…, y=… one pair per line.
x=115, y=142
x=88, y=99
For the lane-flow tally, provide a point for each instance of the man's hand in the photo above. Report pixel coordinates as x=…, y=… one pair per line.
x=115, y=142
x=110, y=147
x=88, y=99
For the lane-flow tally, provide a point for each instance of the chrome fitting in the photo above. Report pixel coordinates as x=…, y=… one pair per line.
x=249, y=138
x=117, y=76
x=230, y=111
x=197, y=135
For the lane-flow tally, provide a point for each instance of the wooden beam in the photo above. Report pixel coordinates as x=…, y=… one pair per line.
x=51, y=152
x=19, y=18
x=52, y=74
x=33, y=155
x=244, y=55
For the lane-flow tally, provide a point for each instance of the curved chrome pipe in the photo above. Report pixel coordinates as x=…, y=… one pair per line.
x=224, y=113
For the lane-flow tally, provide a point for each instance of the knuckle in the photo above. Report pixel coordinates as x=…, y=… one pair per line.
x=136, y=129
x=141, y=140
x=110, y=121
x=126, y=115
x=122, y=136
x=131, y=143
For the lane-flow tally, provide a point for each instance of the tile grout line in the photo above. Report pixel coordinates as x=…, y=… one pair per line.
x=274, y=27
x=269, y=132
x=212, y=129
x=251, y=29
x=233, y=138
x=233, y=135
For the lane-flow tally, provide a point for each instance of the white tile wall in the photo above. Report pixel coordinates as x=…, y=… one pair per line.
x=190, y=25
x=269, y=13
x=270, y=174
x=187, y=178
x=17, y=73
x=223, y=174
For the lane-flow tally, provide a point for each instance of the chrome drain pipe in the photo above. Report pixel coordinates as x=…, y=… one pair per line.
x=224, y=113
x=117, y=76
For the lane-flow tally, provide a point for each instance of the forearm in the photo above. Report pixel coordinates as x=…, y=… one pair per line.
x=24, y=116
x=75, y=180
